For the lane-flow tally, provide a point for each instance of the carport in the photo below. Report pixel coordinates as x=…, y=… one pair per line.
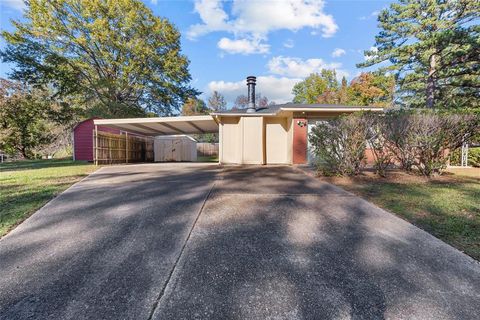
x=135, y=143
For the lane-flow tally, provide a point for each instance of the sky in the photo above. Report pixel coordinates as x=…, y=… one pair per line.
x=279, y=41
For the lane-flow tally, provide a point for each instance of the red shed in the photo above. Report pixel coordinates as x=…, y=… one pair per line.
x=83, y=139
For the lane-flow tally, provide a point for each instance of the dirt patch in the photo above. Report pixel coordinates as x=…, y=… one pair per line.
x=401, y=177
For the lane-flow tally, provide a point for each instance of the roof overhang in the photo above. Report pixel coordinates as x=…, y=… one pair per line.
x=320, y=110
x=285, y=109
x=159, y=126
x=234, y=114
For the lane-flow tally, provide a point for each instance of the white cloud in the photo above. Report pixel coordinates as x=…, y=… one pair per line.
x=299, y=68
x=243, y=46
x=338, y=52
x=374, y=51
x=14, y=4
x=278, y=89
x=213, y=16
x=374, y=14
x=289, y=43
x=259, y=18
x=265, y=16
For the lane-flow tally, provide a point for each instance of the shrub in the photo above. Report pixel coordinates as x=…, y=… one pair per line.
x=378, y=140
x=339, y=144
x=473, y=157
x=437, y=132
x=399, y=134
x=415, y=139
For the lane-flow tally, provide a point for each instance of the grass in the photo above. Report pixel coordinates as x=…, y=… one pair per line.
x=207, y=159
x=27, y=185
x=447, y=206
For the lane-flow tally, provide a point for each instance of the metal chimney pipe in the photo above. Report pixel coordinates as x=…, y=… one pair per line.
x=251, y=94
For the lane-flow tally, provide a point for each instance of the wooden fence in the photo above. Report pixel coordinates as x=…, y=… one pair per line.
x=205, y=149
x=111, y=148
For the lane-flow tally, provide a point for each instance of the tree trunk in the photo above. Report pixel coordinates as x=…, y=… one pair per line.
x=24, y=152
x=431, y=82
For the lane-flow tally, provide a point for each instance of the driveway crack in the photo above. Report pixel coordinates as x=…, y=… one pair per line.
x=162, y=292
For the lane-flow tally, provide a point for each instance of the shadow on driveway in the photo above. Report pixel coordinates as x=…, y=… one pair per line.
x=270, y=243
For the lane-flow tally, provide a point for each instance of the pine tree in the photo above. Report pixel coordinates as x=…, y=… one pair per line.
x=433, y=47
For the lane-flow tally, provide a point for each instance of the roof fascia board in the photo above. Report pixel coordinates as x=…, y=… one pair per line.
x=331, y=109
x=243, y=114
x=154, y=120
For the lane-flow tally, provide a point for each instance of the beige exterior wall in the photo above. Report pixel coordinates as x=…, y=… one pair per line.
x=252, y=135
x=256, y=140
x=231, y=140
x=276, y=140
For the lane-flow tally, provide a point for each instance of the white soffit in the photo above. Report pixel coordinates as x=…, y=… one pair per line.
x=163, y=125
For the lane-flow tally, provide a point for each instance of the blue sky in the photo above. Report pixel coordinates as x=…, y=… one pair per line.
x=279, y=41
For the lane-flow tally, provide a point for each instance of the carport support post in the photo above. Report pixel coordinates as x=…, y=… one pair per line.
x=126, y=147
x=96, y=145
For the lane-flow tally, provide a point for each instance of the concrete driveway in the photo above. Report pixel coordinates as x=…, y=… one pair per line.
x=193, y=241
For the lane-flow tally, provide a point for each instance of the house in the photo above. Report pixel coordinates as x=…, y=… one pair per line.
x=276, y=134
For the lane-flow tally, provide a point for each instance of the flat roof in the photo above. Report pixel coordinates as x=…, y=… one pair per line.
x=296, y=107
x=159, y=126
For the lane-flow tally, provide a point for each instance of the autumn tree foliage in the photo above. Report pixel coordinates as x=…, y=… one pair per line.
x=368, y=89
x=194, y=106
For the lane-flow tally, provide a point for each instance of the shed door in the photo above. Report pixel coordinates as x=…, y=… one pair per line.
x=276, y=140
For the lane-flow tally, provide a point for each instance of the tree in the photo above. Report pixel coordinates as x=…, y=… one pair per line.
x=194, y=106
x=433, y=48
x=342, y=95
x=314, y=86
x=217, y=102
x=241, y=102
x=261, y=101
x=116, y=57
x=370, y=89
x=29, y=119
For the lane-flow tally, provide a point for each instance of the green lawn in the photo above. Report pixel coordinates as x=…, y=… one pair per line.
x=28, y=185
x=207, y=159
x=447, y=207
